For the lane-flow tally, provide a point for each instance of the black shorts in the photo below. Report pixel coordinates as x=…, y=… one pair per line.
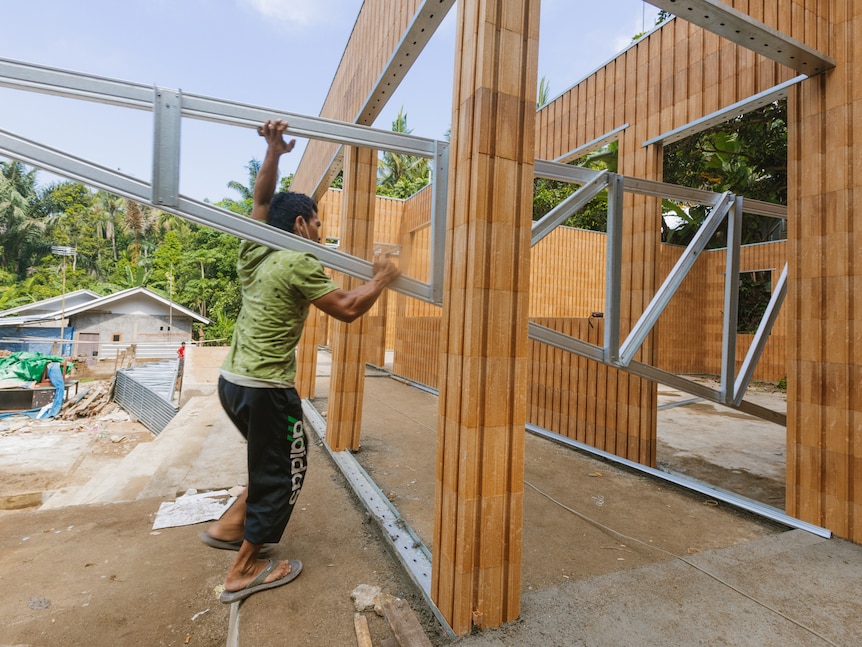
x=271, y=422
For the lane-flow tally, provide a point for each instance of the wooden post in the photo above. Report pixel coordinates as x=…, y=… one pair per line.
x=476, y=574
x=347, y=385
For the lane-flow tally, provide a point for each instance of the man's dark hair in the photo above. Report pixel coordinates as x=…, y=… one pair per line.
x=287, y=206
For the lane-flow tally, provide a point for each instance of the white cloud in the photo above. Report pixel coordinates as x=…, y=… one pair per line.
x=305, y=13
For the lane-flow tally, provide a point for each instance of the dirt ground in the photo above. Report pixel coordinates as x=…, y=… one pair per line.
x=40, y=457
x=98, y=575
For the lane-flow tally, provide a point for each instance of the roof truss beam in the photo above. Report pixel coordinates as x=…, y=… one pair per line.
x=747, y=32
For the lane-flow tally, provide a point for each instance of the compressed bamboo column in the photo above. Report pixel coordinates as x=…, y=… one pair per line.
x=824, y=311
x=476, y=573
x=347, y=384
x=306, y=355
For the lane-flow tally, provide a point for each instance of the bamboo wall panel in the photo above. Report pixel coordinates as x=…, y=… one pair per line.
x=677, y=74
x=376, y=35
x=571, y=395
x=306, y=354
x=388, y=217
x=824, y=417
x=682, y=346
x=375, y=341
x=568, y=274
x=417, y=349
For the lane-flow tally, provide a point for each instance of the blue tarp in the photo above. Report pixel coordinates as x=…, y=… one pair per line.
x=55, y=376
x=11, y=338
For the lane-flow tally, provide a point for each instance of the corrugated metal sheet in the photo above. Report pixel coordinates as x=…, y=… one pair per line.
x=147, y=393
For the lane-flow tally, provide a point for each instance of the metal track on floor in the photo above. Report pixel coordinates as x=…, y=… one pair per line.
x=731, y=498
x=411, y=552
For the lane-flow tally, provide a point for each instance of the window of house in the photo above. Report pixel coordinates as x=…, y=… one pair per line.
x=115, y=337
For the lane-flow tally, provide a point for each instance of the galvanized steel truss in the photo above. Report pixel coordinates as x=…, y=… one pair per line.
x=169, y=106
x=621, y=354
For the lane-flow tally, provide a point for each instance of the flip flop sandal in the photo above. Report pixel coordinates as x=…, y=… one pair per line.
x=212, y=542
x=257, y=584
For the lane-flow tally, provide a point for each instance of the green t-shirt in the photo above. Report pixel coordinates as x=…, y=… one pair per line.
x=277, y=289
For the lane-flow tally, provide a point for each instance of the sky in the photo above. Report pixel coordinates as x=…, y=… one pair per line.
x=279, y=54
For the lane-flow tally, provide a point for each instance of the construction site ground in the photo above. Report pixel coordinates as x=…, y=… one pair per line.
x=611, y=557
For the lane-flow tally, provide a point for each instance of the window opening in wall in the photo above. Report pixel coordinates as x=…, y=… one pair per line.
x=747, y=156
x=755, y=290
x=593, y=216
x=116, y=336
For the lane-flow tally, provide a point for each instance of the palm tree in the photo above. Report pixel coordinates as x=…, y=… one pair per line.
x=400, y=176
x=544, y=92
x=245, y=203
x=21, y=228
x=105, y=211
x=138, y=223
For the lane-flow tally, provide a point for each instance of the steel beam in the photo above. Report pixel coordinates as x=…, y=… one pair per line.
x=731, y=301
x=88, y=87
x=752, y=103
x=581, y=348
x=440, y=189
x=201, y=213
x=170, y=105
x=167, y=105
x=744, y=503
x=613, y=269
x=563, y=172
x=745, y=31
x=591, y=146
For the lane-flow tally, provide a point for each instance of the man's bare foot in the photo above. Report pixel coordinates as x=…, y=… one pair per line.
x=240, y=580
x=271, y=576
x=231, y=526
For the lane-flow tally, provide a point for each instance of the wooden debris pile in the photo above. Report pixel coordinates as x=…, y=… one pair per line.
x=93, y=401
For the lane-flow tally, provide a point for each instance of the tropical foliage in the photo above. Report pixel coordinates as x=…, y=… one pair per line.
x=398, y=175
x=747, y=156
x=118, y=244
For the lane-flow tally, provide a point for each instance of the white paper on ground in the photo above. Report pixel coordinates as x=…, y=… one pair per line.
x=193, y=507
